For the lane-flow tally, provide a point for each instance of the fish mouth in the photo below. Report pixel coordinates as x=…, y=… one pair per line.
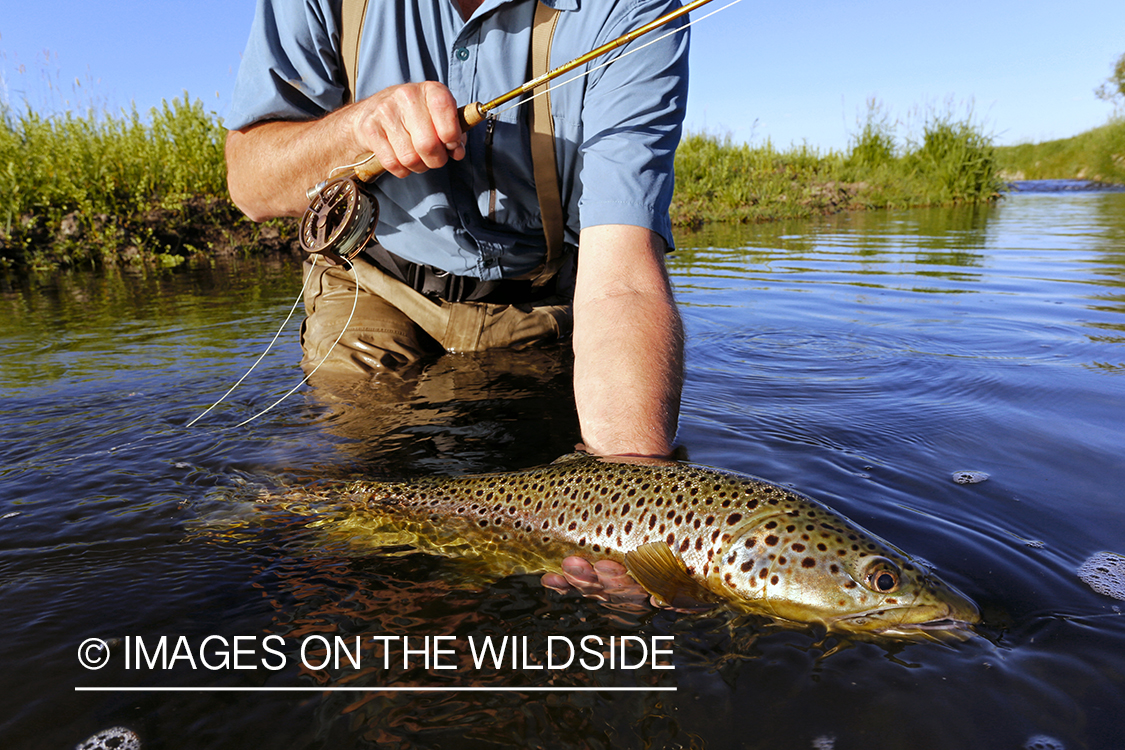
x=948, y=628
x=944, y=624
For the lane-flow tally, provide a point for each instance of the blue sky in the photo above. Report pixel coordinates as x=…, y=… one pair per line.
x=790, y=72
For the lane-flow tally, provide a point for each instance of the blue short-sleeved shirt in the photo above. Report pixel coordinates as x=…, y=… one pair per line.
x=616, y=129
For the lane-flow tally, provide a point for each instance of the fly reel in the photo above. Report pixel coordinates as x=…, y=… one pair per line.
x=339, y=221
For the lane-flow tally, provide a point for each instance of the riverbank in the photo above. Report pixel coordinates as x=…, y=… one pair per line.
x=104, y=190
x=1097, y=155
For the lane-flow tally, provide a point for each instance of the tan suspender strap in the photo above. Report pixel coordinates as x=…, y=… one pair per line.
x=543, y=145
x=352, y=15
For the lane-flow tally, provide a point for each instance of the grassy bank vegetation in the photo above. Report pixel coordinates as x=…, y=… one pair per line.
x=952, y=161
x=1097, y=154
x=98, y=189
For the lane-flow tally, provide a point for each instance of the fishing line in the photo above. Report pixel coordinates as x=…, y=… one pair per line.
x=300, y=296
x=355, y=301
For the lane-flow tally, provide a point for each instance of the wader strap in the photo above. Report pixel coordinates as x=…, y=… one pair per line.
x=543, y=145
x=352, y=15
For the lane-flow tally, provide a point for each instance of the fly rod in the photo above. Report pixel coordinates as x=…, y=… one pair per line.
x=342, y=215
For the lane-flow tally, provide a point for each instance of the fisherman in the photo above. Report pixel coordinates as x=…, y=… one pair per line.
x=462, y=223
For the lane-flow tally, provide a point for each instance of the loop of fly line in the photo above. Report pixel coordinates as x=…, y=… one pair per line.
x=300, y=296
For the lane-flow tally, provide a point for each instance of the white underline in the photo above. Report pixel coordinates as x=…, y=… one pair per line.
x=343, y=689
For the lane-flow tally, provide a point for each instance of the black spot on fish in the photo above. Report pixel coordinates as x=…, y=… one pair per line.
x=798, y=547
x=651, y=521
x=746, y=566
x=772, y=540
x=822, y=547
x=808, y=562
x=782, y=560
x=698, y=543
x=763, y=573
x=572, y=526
x=773, y=580
x=771, y=525
x=734, y=518
x=834, y=568
x=850, y=585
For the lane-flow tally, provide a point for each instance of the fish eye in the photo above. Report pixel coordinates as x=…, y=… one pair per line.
x=882, y=576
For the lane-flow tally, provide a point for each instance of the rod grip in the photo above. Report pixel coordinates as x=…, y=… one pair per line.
x=468, y=116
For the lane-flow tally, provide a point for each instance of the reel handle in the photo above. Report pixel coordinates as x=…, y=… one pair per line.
x=469, y=116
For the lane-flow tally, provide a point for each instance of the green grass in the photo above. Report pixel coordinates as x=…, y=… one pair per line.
x=1097, y=154
x=97, y=188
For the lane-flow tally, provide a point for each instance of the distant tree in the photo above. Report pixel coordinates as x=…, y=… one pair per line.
x=1113, y=89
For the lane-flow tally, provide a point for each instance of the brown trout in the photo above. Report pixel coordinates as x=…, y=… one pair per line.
x=685, y=533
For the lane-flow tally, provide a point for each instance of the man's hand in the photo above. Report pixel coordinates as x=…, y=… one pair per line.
x=410, y=128
x=605, y=580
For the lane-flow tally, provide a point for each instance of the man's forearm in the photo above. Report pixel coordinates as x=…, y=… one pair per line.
x=628, y=344
x=270, y=165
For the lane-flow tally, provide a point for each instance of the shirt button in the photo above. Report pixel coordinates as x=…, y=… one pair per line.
x=462, y=53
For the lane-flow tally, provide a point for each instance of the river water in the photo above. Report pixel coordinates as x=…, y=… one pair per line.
x=866, y=359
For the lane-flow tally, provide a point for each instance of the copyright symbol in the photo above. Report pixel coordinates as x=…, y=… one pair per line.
x=93, y=653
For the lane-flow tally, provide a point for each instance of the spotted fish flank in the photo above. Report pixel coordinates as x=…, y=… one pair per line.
x=683, y=531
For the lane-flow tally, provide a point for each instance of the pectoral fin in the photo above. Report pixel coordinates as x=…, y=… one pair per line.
x=664, y=575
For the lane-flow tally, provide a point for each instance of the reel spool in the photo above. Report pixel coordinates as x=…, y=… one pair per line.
x=339, y=221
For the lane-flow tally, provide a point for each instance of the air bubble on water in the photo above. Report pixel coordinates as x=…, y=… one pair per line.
x=969, y=477
x=116, y=738
x=1043, y=742
x=824, y=742
x=1104, y=572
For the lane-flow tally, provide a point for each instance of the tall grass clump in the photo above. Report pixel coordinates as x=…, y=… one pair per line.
x=74, y=182
x=953, y=161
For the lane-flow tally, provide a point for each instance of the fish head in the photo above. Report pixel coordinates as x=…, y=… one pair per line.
x=808, y=564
